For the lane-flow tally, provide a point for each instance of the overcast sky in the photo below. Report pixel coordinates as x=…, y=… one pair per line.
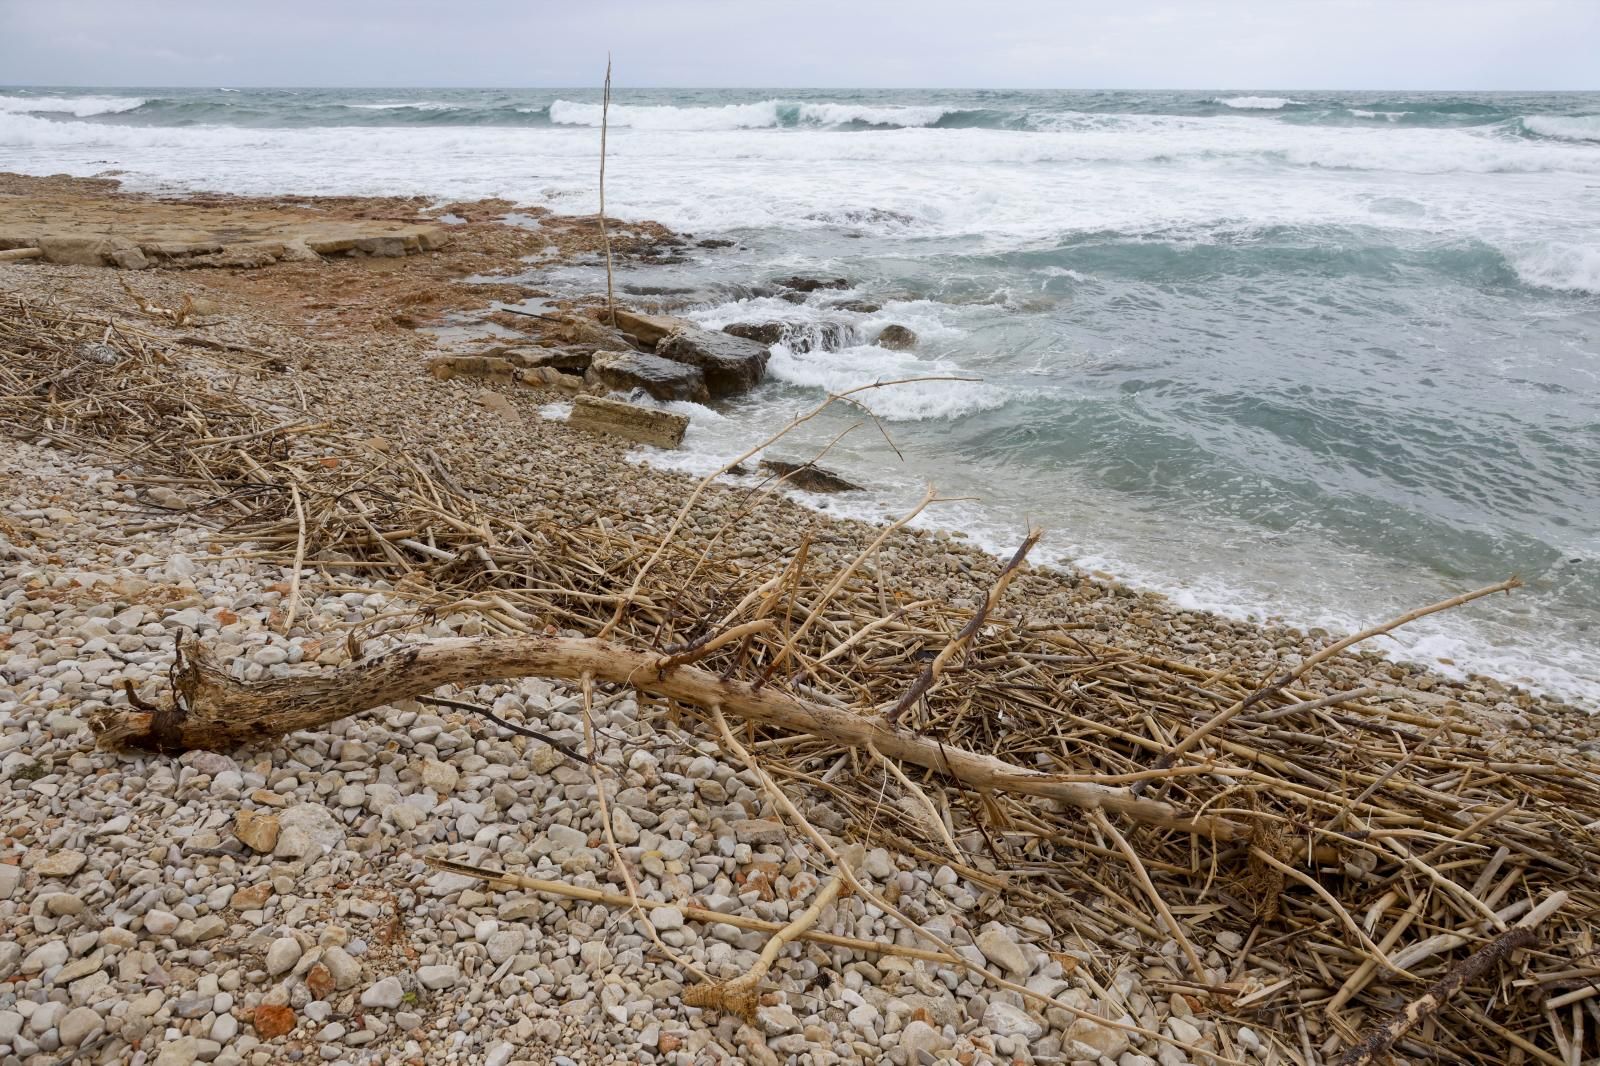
x=1397, y=44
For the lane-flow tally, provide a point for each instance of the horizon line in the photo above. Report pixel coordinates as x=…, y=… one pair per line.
x=792, y=88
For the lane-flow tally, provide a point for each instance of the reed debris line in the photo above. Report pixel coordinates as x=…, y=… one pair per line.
x=1364, y=845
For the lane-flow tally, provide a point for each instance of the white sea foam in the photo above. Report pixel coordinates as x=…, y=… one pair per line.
x=1560, y=266
x=841, y=114
x=79, y=106
x=1564, y=127
x=1392, y=116
x=1257, y=103
x=850, y=368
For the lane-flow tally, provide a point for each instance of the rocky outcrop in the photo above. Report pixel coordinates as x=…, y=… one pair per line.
x=445, y=367
x=599, y=414
x=649, y=330
x=572, y=361
x=896, y=338
x=91, y=250
x=585, y=334
x=661, y=378
x=730, y=364
x=550, y=376
x=240, y=243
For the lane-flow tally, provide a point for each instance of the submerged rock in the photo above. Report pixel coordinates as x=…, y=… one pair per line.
x=809, y=477
x=663, y=379
x=862, y=307
x=730, y=364
x=897, y=338
x=801, y=283
x=768, y=333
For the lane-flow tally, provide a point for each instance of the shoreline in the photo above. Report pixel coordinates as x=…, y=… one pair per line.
x=430, y=292
x=109, y=560
x=456, y=317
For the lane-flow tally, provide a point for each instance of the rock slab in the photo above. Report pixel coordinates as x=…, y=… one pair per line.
x=730, y=364
x=600, y=414
x=660, y=378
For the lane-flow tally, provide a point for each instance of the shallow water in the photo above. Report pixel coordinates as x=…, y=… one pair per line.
x=1322, y=356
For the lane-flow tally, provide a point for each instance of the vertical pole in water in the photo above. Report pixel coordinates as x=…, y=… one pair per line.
x=605, y=110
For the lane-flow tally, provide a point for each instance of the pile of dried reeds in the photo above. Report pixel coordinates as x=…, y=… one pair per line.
x=1413, y=880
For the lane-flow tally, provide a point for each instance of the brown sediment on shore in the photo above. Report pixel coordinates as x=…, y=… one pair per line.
x=335, y=343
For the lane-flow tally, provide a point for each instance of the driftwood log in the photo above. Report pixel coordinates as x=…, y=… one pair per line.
x=210, y=710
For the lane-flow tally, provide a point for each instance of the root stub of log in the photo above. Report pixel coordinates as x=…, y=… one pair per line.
x=210, y=710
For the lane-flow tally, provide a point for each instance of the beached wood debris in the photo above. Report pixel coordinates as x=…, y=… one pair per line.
x=647, y=425
x=1376, y=839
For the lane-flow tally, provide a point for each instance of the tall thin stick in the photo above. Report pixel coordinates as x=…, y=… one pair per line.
x=605, y=237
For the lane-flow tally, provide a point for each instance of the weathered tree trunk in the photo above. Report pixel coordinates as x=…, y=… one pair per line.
x=212, y=711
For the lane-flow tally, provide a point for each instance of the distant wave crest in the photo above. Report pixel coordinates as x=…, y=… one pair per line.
x=1258, y=103
x=667, y=117
x=419, y=105
x=761, y=115
x=77, y=106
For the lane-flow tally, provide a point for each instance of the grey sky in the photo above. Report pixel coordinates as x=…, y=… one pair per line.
x=1397, y=44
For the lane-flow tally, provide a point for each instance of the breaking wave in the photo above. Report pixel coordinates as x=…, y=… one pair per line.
x=1561, y=267
x=1564, y=127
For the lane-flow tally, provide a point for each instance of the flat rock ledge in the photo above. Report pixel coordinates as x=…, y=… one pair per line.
x=162, y=246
